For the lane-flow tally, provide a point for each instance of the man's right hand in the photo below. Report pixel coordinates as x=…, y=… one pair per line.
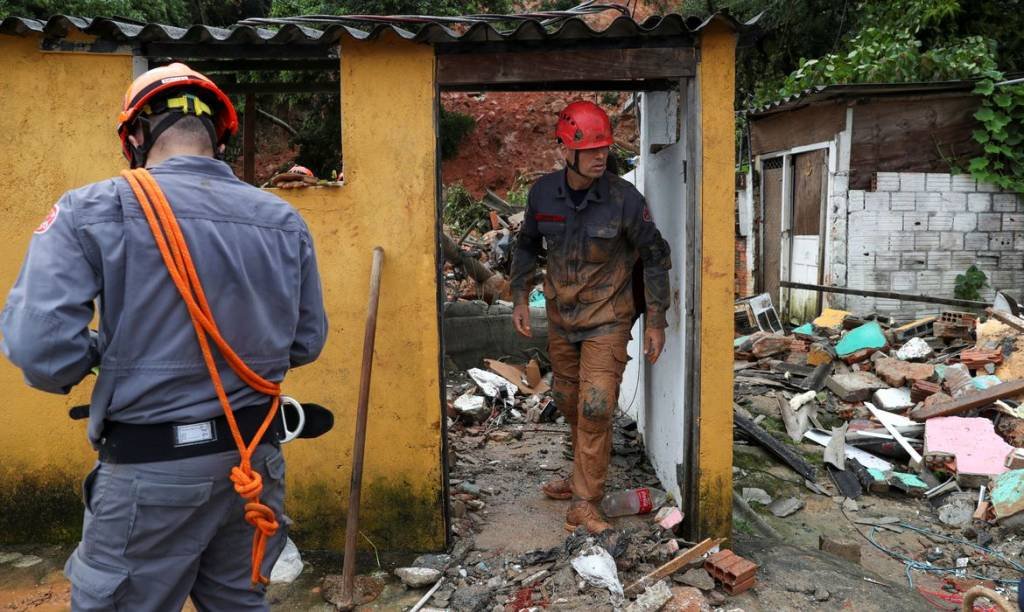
x=521, y=320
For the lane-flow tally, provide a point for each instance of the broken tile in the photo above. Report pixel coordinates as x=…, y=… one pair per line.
x=867, y=336
x=652, y=599
x=668, y=517
x=831, y=318
x=1008, y=494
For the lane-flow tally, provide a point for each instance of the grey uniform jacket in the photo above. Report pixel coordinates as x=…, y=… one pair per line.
x=254, y=257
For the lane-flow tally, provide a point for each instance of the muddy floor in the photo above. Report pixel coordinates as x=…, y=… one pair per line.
x=505, y=523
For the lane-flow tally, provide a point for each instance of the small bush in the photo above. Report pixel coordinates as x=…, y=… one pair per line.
x=969, y=284
x=454, y=128
x=461, y=210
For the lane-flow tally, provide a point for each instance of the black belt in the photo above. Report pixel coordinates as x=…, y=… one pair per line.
x=130, y=443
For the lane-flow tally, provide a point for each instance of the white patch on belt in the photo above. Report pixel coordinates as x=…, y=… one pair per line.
x=195, y=433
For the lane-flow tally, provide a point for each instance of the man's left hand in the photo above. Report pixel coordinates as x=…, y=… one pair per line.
x=654, y=343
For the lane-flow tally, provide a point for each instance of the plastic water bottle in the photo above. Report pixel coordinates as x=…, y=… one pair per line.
x=633, y=501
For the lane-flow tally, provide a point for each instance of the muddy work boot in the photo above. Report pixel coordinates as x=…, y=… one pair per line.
x=586, y=514
x=558, y=488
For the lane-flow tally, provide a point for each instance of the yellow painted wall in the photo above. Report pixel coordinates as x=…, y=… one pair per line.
x=716, y=77
x=57, y=123
x=389, y=199
x=58, y=126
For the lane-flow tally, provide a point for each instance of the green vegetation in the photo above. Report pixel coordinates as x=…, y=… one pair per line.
x=969, y=284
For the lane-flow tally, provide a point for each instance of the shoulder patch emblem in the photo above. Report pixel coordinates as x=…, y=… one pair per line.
x=647, y=214
x=49, y=220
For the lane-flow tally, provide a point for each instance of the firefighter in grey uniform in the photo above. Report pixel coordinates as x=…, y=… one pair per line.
x=162, y=519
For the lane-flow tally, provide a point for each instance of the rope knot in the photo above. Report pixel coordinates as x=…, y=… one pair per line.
x=248, y=484
x=262, y=518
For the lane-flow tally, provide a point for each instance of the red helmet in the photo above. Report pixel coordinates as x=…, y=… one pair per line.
x=584, y=125
x=156, y=84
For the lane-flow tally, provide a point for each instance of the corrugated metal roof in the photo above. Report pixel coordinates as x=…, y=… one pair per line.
x=296, y=31
x=817, y=95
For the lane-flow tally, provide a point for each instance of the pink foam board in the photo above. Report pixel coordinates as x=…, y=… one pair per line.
x=973, y=441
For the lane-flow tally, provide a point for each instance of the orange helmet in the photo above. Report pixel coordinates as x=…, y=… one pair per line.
x=152, y=93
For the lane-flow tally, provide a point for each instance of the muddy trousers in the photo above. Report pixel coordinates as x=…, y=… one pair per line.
x=586, y=391
x=156, y=533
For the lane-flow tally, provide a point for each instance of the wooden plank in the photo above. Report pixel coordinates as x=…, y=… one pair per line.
x=487, y=69
x=974, y=400
x=809, y=172
x=912, y=134
x=684, y=558
x=808, y=125
x=777, y=448
x=771, y=187
x=892, y=295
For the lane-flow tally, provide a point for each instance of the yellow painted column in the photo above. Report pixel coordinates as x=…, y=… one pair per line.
x=389, y=199
x=716, y=81
x=59, y=111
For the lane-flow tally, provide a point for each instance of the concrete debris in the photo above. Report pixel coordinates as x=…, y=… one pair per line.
x=472, y=407
x=697, y=577
x=757, y=495
x=417, y=577
x=958, y=510
x=856, y=386
x=897, y=373
x=784, y=507
x=915, y=349
x=689, y=599
x=651, y=600
x=893, y=399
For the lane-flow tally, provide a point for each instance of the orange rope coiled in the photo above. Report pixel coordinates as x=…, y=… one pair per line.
x=174, y=250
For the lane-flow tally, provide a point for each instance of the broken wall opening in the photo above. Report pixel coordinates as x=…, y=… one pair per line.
x=655, y=397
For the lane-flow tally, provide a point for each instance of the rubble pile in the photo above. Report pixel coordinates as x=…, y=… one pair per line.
x=926, y=411
x=641, y=565
x=477, y=264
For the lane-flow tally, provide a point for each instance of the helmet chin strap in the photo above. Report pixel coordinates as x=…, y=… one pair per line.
x=574, y=165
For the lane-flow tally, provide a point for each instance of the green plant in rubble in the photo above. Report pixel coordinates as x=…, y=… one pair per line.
x=517, y=193
x=461, y=210
x=1001, y=116
x=969, y=284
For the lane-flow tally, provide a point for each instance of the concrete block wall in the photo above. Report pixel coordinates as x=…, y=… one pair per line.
x=916, y=232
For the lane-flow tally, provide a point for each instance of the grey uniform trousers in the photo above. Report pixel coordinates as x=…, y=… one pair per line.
x=156, y=533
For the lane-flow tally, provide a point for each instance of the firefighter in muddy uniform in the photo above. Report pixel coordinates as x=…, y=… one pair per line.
x=164, y=506
x=594, y=226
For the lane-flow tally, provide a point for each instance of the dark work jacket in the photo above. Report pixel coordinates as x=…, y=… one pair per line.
x=591, y=251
